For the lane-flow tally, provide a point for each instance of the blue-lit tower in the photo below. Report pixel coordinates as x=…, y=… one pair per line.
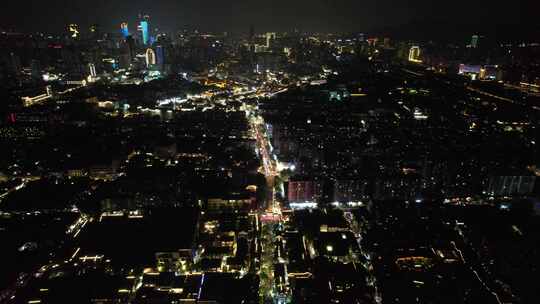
x=145, y=34
x=124, y=29
x=144, y=26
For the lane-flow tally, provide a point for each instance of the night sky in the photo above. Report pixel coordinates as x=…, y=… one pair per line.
x=237, y=15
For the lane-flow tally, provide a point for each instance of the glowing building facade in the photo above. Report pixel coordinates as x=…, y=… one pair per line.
x=414, y=54
x=74, y=31
x=150, y=58
x=145, y=32
x=92, y=70
x=474, y=41
x=124, y=29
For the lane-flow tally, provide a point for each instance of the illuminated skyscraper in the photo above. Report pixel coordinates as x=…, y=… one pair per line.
x=150, y=58
x=73, y=30
x=144, y=27
x=92, y=69
x=144, y=32
x=124, y=29
x=414, y=54
x=269, y=38
x=474, y=41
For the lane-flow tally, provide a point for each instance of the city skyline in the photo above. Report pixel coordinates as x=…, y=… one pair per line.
x=320, y=15
x=269, y=152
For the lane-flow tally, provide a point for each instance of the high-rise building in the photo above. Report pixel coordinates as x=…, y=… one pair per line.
x=304, y=191
x=92, y=70
x=269, y=38
x=475, y=41
x=160, y=55
x=150, y=57
x=144, y=27
x=74, y=31
x=127, y=52
x=511, y=185
x=350, y=190
x=414, y=54
x=144, y=32
x=124, y=29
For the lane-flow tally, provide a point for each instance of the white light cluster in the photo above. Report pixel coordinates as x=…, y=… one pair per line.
x=303, y=205
x=174, y=100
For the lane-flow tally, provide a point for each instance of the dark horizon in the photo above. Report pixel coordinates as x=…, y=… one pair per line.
x=386, y=16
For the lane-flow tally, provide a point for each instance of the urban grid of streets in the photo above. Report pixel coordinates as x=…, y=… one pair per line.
x=268, y=292
x=272, y=290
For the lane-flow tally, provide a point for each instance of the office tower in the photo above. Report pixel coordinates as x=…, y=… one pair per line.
x=304, y=191
x=127, y=52
x=124, y=29
x=144, y=27
x=150, y=57
x=160, y=55
x=251, y=46
x=74, y=31
x=92, y=70
x=269, y=38
x=130, y=42
x=414, y=54
x=144, y=32
x=475, y=41
x=349, y=190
